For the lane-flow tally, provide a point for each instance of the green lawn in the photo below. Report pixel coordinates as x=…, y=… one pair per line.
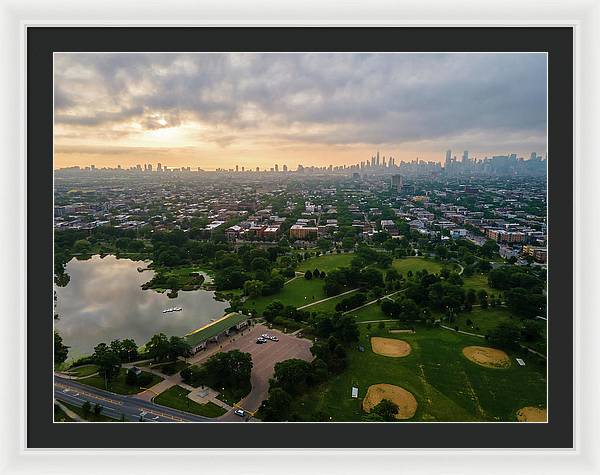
x=447, y=386
x=329, y=305
x=368, y=313
x=415, y=264
x=327, y=262
x=84, y=370
x=483, y=320
x=119, y=385
x=298, y=292
x=478, y=282
x=176, y=397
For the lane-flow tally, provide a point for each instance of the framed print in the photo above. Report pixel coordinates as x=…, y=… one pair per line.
x=303, y=238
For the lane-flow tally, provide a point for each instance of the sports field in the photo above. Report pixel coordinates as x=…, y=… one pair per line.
x=446, y=385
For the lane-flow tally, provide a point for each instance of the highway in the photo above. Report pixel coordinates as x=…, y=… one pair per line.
x=116, y=405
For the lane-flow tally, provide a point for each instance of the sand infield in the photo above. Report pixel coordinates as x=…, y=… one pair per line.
x=406, y=402
x=390, y=347
x=532, y=414
x=488, y=357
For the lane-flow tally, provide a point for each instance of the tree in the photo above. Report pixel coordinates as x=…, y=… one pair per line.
x=308, y=275
x=129, y=350
x=253, y=288
x=178, y=346
x=386, y=409
x=131, y=378
x=531, y=331
x=525, y=303
x=230, y=369
x=441, y=251
x=482, y=295
x=292, y=375
x=61, y=351
x=86, y=408
x=489, y=248
x=97, y=409
x=109, y=363
x=505, y=335
x=158, y=347
x=316, y=273
x=277, y=406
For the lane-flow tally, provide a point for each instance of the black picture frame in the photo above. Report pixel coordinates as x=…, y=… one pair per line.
x=42, y=42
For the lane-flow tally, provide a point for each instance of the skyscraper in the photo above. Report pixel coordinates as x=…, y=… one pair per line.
x=159, y=168
x=397, y=182
x=465, y=157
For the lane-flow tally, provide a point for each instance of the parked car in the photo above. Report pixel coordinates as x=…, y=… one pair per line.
x=260, y=340
x=273, y=338
x=239, y=412
x=265, y=335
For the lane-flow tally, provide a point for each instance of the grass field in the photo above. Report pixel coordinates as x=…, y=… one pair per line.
x=119, y=385
x=85, y=370
x=483, y=320
x=447, y=386
x=329, y=305
x=298, y=292
x=416, y=264
x=478, y=282
x=327, y=263
x=176, y=397
x=368, y=313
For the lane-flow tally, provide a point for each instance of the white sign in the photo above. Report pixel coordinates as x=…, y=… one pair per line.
x=354, y=392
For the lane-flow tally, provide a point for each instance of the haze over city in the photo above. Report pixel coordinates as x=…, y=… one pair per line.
x=255, y=110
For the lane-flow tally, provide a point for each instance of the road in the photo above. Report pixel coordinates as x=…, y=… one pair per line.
x=116, y=405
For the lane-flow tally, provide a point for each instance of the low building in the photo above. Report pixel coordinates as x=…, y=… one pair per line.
x=214, y=331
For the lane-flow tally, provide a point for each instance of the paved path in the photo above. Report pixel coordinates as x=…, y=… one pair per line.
x=328, y=298
x=373, y=301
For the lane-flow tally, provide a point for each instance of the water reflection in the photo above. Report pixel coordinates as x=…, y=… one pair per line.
x=104, y=301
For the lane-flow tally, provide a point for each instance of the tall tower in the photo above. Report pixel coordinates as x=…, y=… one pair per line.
x=377, y=160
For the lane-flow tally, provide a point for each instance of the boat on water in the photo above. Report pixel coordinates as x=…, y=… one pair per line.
x=172, y=309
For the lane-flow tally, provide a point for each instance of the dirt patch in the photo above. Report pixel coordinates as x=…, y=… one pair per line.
x=532, y=414
x=390, y=347
x=406, y=402
x=488, y=357
x=402, y=331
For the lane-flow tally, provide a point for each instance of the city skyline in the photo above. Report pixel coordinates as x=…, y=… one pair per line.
x=221, y=110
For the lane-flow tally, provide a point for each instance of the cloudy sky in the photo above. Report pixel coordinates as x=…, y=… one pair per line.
x=219, y=110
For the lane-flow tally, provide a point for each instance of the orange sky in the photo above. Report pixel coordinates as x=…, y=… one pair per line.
x=222, y=110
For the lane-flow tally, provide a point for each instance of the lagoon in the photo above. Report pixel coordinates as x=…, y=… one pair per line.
x=104, y=301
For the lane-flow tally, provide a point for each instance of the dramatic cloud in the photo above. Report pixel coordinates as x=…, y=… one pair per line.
x=403, y=102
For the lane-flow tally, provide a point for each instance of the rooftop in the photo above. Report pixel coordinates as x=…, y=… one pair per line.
x=213, y=329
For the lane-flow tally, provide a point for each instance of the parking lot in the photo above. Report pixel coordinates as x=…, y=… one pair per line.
x=264, y=358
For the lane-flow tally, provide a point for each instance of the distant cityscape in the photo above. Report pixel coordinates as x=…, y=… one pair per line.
x=497, y=165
